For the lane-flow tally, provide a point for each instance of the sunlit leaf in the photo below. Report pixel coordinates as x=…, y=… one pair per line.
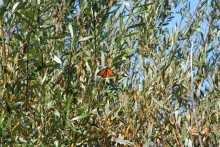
x=71, y=30
x=15, y=6
x=80, y=117
x=86, y=38
x=56, y=59
x=122, y=141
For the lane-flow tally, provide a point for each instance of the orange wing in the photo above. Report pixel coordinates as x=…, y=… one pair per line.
x=106, y=73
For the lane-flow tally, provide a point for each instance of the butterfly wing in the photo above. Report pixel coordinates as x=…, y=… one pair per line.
x=102, y=73
x=109, y=73
x=106, y=73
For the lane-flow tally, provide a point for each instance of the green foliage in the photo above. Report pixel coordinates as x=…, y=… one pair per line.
x=165, y=91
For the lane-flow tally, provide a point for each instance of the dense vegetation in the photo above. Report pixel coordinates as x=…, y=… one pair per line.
x=164, y=53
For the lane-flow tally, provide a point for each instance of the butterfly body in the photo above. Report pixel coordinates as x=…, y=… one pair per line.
x=106, y=72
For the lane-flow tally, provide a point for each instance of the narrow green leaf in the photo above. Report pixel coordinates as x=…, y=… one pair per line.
x=57, y=37
x=131, y=34
x=59, y=95
x=203, y=3
x=70, y=29
x=184, y=132
x=80, y=117
x=102, y=59
x=122, y=141
x=86, y=38
x=121, y=22
x=15, y=6
x=160, y=103
x=137, y=25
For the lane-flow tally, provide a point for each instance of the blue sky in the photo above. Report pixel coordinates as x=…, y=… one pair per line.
x=177, y=17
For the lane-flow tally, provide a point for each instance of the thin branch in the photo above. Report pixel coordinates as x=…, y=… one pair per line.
x=195, y=109
x=4, y=66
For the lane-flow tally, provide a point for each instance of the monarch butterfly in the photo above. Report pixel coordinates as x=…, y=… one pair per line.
x=106, y=72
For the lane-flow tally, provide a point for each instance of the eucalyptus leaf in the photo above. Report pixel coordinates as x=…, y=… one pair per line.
x=15, y=6
x=80, y=117
x=86, y=38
